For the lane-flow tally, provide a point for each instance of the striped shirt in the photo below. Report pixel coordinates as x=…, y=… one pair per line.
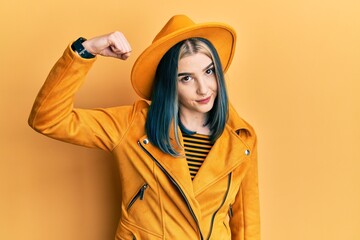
x=196, y=146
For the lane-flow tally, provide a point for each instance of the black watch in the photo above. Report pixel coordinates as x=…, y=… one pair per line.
x=79, y=48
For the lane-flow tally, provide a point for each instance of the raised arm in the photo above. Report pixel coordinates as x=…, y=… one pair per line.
x=53, y=113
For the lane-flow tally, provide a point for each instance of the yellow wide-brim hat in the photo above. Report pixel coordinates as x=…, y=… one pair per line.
x=177, y=29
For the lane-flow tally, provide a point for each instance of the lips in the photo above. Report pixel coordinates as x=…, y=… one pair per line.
x=204, y=100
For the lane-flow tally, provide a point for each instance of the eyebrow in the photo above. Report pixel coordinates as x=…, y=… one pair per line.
x=185, y=73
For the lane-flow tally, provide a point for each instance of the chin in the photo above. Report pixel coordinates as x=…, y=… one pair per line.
x=207, y=108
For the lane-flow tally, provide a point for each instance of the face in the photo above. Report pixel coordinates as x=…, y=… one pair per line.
x=197, y=85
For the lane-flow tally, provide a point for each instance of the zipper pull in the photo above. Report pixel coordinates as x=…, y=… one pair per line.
x=142, y=191
x=231, y=213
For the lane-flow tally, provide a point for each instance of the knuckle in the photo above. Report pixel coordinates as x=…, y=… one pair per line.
x=118, y=33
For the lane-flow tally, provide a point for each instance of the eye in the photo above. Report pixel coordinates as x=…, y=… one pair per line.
x=186, y=78
x=210, y=71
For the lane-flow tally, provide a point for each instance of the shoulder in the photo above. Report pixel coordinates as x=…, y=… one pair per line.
x=140, y=107
x=242, y=128
x=238, y=124
x=130, y=111
x=124, y=115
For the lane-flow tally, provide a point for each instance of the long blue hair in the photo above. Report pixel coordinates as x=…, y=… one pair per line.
x=164, y=107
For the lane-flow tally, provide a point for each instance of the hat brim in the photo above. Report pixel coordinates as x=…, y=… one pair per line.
x=222, y=36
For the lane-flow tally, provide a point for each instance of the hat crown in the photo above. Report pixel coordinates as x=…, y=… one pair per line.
x=175, y=23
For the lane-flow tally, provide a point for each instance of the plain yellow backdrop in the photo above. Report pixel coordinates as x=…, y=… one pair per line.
x=295, y=78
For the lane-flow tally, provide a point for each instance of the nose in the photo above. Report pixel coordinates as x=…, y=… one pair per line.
x=202, y=87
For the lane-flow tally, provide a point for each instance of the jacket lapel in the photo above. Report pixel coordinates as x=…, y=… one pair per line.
x=228, y=152
x=175, y=167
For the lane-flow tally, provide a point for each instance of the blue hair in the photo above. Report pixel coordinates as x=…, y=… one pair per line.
x=164, y=108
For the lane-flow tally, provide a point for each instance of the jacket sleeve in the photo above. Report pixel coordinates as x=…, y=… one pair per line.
x=53, y=113
x=245, y=222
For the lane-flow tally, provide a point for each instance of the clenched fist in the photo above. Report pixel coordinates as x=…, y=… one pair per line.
x=109, y=45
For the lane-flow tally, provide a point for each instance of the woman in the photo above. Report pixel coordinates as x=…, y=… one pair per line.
x=187, y=162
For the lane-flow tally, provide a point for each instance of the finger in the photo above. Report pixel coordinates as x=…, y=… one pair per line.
x=121, y=54
x=119, y=43
x=110, y=53
x=125, y=55
x=121, y=39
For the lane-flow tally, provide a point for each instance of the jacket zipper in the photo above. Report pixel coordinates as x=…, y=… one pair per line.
x=139, y=195
x=176, y=185
x=222, y=204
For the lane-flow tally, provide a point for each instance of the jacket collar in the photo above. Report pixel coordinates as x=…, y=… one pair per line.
x=227, y=153
x=237, y=123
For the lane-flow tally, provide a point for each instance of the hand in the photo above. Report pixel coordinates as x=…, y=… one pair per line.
x=110, y=45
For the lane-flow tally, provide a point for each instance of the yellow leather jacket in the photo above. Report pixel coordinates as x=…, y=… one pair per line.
x=159, y=199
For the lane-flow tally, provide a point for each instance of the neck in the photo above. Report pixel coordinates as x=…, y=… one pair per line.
x=195, y=123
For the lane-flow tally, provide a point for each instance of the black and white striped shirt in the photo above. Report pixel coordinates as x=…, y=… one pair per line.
x=196, y=146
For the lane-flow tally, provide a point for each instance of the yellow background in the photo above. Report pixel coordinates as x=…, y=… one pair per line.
x=295, y=77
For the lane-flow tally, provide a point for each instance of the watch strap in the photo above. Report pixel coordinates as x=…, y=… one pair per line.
x=78, y=47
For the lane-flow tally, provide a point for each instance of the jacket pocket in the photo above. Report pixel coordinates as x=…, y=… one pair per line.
x=138, y=196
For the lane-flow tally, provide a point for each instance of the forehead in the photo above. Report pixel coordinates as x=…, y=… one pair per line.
x=194, y=62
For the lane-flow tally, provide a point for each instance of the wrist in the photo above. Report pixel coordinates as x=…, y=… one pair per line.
x=79, y=48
